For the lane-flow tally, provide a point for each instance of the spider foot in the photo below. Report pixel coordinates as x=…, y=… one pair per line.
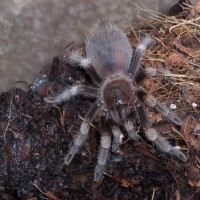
x=98, y=172
x=72, y=152
x=176, y=152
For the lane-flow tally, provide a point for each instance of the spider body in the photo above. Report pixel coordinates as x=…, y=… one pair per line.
x=116, y=92
x=119, y=99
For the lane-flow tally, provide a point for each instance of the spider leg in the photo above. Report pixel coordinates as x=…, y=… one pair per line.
x=155, y=137
x=104, y=151
x=152, y=71
x=139, y=52
x=130, y=128
x=70, y=92
x=129, y=125
x=82, y=136
x=76, y=58
x=117, y=138
x=163, y=73
x=151, y=101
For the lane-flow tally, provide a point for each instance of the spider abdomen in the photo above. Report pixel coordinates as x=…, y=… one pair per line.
x=109, y=51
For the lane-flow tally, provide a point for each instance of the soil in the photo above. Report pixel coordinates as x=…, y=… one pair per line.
x=34, y=135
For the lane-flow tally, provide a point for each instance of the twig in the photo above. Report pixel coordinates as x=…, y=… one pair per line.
x=9, y=117
x=47, y=194
x=153, y=194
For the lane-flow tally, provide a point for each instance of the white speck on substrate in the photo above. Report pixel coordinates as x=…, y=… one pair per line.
x=173, y=106
x=194, y=105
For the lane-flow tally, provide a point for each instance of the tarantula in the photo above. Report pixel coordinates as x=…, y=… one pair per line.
x=120, y=100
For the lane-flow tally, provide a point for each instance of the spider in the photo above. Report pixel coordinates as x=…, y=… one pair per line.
x=119, y=99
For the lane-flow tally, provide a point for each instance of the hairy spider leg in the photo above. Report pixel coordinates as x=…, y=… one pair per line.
x=153, y=71
x=155, y=137
x=117, y=138
x=82, y=135
x=129, y=125
x=139, y=52
x=104, y=151
x=76, y=58
x=70, y=92
x=151, y=101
